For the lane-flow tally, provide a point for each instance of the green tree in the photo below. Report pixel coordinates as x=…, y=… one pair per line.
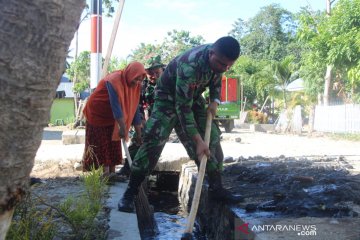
x=284, y=72
x=80, y=69
x=344, y=27
x=144, y=51
x=255, y=77
x=109, y=7
x=177, y=42
x=331, y=41
x=172, y=45
x=117, y=64
x=267, y=35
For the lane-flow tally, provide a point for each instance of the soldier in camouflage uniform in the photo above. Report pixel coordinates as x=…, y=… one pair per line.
x=154, y=69
x=179, y=104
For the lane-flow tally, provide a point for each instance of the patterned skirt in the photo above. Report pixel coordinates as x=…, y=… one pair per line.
x=100, y=150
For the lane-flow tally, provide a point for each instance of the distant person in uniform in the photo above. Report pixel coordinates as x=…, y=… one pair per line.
x=178, y=103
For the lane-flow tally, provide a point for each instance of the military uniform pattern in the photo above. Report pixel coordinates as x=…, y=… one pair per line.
x=147, y=96
x=179, y=105
x=156, y=134
x=184, y=80
x=146, y=103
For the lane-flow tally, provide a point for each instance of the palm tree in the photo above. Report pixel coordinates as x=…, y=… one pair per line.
x=284, y=73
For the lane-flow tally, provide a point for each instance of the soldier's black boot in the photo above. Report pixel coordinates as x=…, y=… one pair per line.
x=125, y=170
x=218, y=192
x=126, y=203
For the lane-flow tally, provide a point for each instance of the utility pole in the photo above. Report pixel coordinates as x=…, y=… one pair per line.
x=96, y=42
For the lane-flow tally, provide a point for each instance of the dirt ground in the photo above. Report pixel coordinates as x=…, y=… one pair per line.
x=280, y=164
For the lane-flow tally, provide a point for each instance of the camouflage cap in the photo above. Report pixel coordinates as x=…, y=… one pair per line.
x=153, y=62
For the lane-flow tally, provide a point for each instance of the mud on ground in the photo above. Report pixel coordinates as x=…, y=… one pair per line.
x=311, y=184
x=312, y=187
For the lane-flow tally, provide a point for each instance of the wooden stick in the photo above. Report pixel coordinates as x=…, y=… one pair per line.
x=144, y=211
x=112, y=38
x=199, y=181
x=127, y=152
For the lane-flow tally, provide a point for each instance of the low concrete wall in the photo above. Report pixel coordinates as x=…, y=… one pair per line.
x=215, y=218
x=76, y=136
x=187, y=184
x=262, y=127
x=172, y=158
x=256, y=127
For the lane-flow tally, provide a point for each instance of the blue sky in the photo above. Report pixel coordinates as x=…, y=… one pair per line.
x=148, y=21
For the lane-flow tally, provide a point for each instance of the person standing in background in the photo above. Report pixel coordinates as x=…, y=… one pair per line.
x=109, y=113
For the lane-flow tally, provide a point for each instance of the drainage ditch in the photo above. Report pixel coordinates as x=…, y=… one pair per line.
x=321, y=193
x=168, y=211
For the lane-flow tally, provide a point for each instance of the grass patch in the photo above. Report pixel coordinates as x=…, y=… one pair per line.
x=345, y=136
x=81, y=212
x=29, y=222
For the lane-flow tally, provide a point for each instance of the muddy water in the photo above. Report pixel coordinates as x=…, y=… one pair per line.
x=169, y=215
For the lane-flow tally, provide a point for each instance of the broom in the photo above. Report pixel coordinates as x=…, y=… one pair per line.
x=144, y=211
x=195, y=202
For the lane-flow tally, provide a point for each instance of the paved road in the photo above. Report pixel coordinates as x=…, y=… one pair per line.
x=251, y=144
x=272, y=145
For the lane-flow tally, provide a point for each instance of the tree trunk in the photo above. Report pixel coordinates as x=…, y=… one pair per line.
x=328, y=67
x=75, y=77
x=35, y=36
x=327, y=85
x=311, y=119
x=284, y=98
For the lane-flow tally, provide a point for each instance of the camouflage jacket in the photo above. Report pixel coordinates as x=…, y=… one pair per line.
x=184, y=80
x=147, y=95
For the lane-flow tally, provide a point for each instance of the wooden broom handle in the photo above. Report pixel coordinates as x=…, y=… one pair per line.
x=126, y=152
x=200, y=178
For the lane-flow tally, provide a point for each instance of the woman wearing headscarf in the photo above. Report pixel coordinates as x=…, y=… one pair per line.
x=110, y=111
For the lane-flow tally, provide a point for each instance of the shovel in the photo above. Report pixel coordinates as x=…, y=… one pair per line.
x=195, y=202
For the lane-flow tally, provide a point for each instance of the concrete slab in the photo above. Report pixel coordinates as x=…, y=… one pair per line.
x=59, y=153
x=172, y=158
x=122, y=226
x=187, y=184
x=76, y=136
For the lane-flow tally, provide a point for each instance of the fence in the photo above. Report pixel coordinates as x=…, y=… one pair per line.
x=337, y=119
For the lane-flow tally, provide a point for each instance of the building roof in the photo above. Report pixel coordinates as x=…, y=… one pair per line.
x=67, y=86
x=64, y=79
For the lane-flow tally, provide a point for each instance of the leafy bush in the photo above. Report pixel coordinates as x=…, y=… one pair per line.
x=35, y=219
x=256, y=117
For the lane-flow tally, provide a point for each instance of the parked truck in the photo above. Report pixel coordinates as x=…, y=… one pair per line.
x=230, y=106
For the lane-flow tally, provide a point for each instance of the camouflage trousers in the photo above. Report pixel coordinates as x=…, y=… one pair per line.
x=158, y=128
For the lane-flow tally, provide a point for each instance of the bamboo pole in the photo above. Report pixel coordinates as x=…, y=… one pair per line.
x=144, y=211
x=112, y=38
x=199, y=182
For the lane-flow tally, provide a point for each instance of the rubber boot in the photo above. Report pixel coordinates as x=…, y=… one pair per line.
x=218, y=193
x=125, y=170
x=126, y=203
